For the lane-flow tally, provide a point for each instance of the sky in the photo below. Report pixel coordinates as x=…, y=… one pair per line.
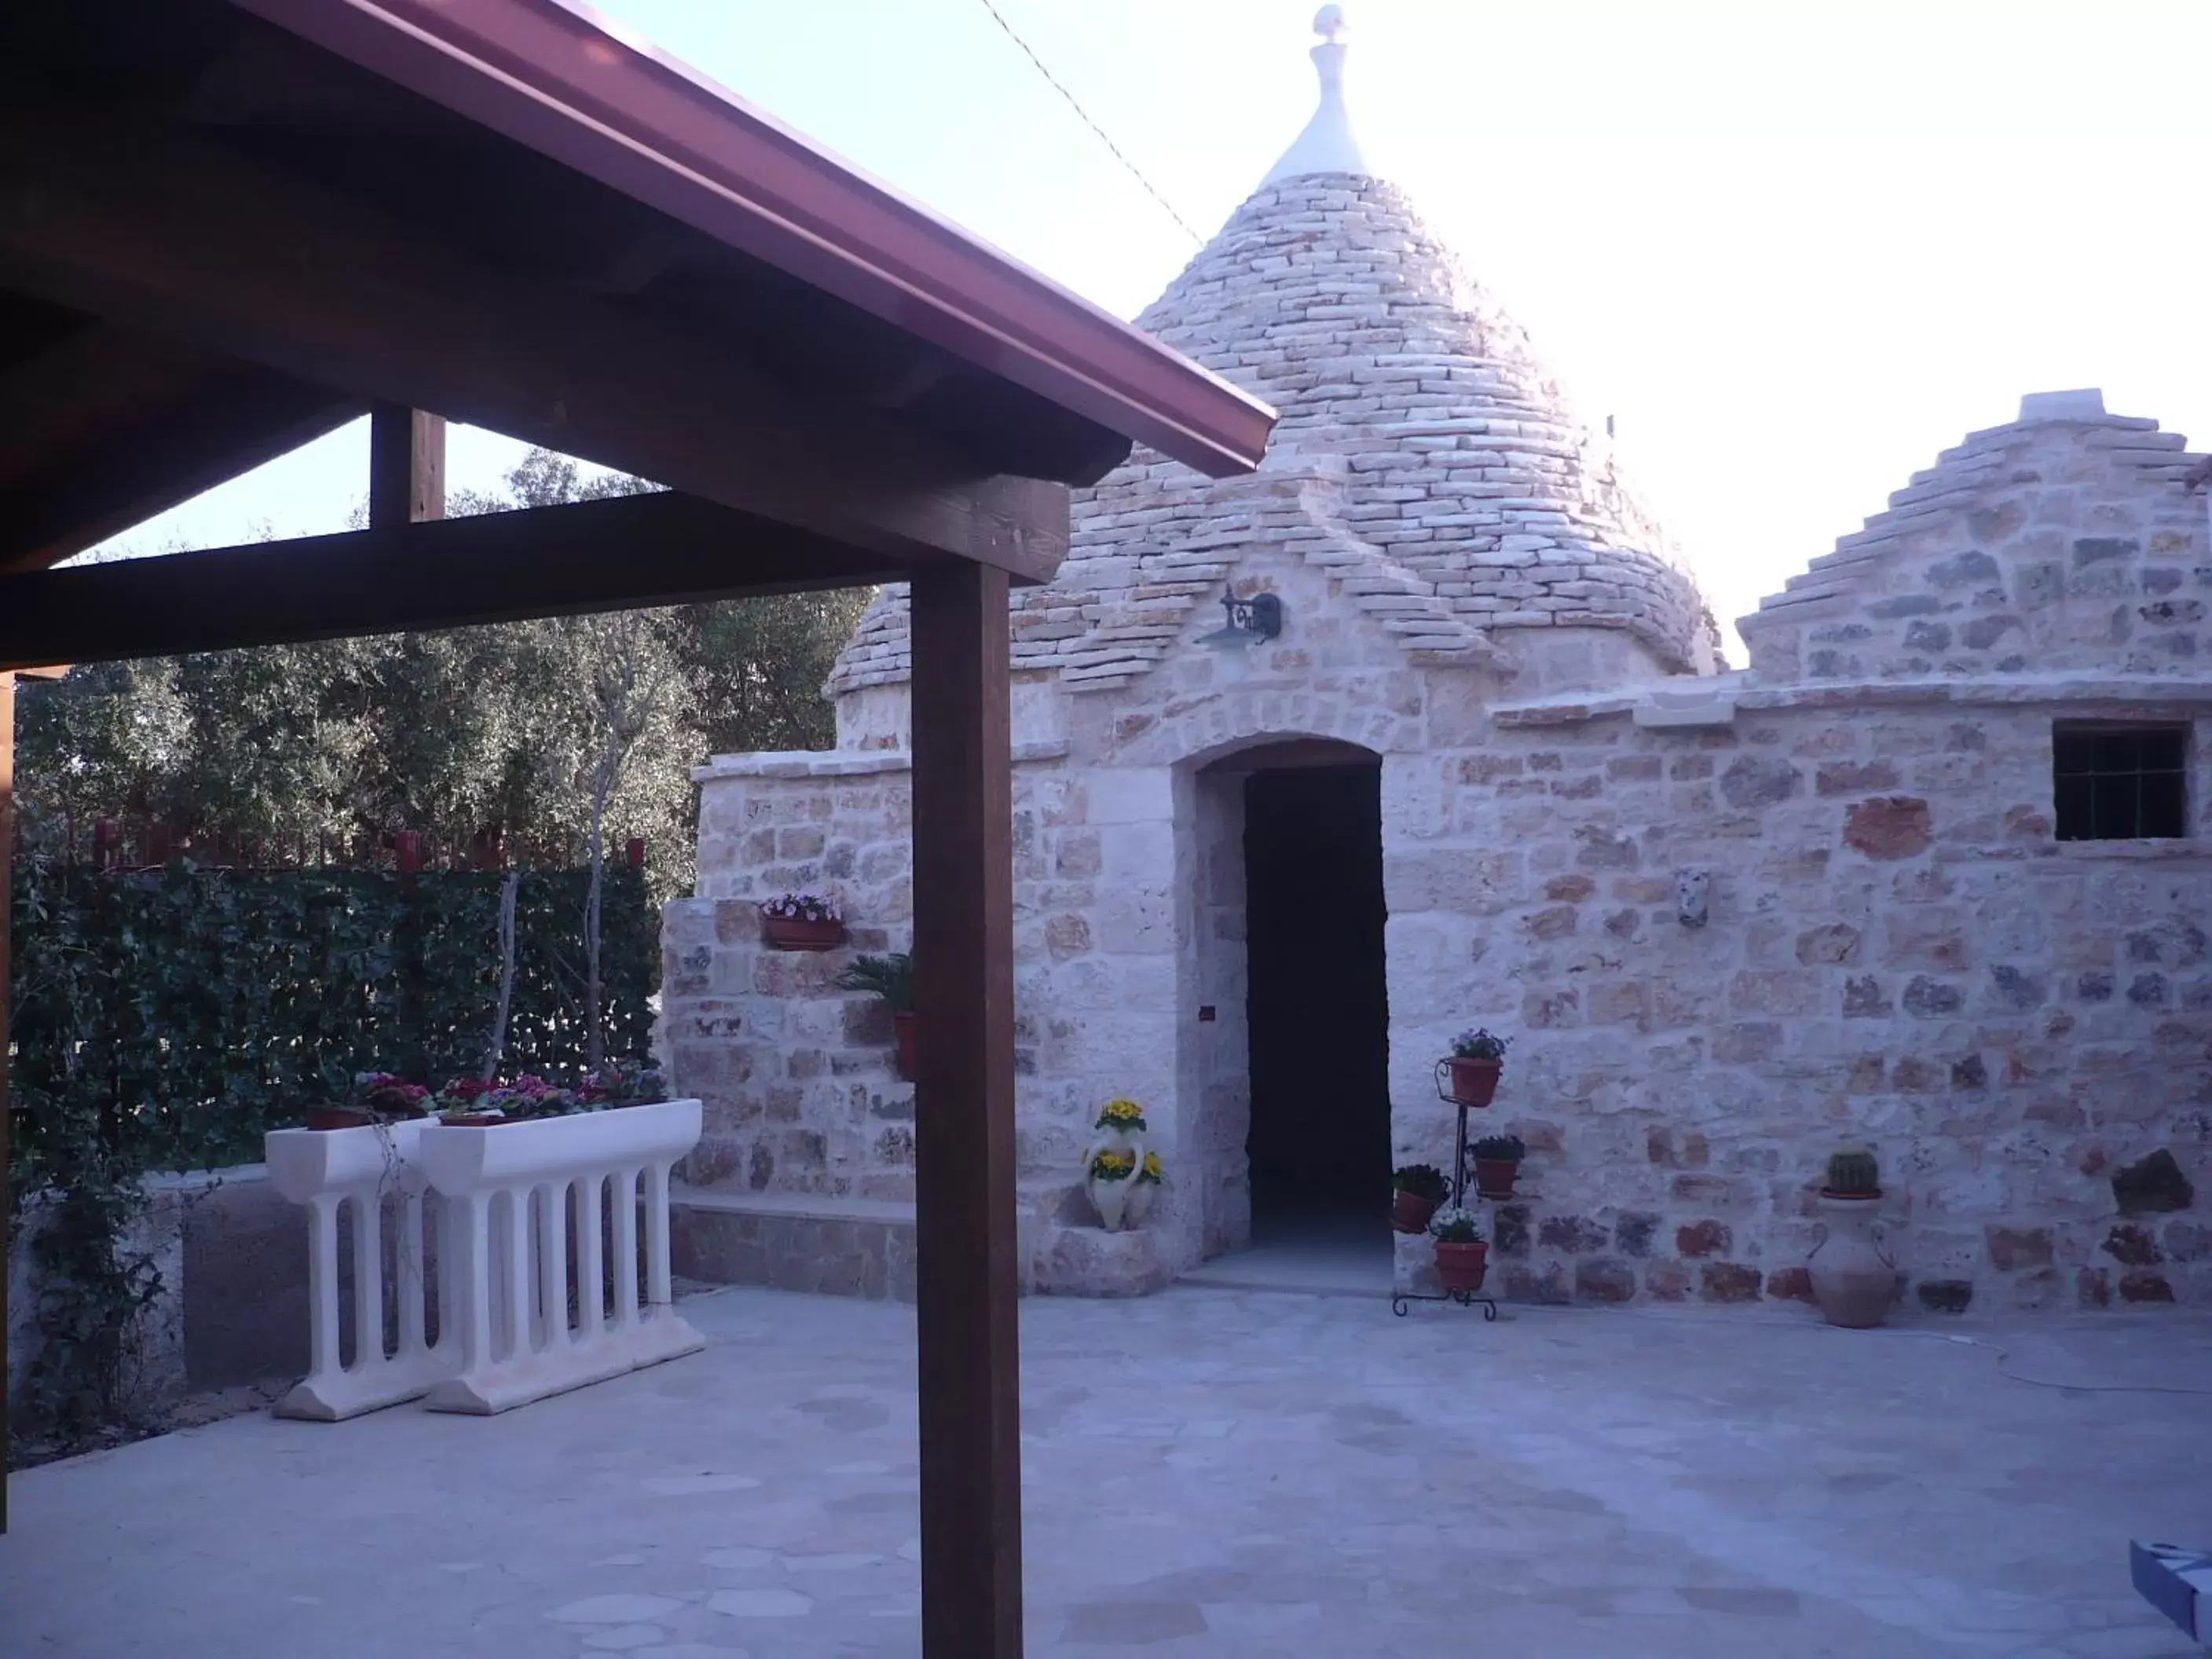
x=1794, y=250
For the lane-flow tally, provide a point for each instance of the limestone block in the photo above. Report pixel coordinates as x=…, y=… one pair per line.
x=1080, y=1260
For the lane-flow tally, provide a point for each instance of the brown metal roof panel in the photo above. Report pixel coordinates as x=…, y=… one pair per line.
x=555, y=78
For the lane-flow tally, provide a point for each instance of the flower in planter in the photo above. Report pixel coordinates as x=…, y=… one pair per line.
x=623, y=1083
x=1456, y=1226
x=462, y=1094
x=1423, y=1180
x=1151, y=1172
x=1480, y=1043
x=385, y=1094
x=524, y=1097
x=1112, y=1166
x=1123, y=1114
x=803, y=907
x=1500, y=1149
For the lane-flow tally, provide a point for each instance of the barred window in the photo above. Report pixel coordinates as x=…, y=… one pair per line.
x=2111, y=781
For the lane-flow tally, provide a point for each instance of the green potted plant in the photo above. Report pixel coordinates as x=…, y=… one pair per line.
x=1462, y=1253
x=1497, y=1162
x=1469, y=1075
x=1416, y=1189
x=891, y=978
x=802, y=921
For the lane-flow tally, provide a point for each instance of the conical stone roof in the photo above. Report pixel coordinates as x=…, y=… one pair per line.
x=1422, y=453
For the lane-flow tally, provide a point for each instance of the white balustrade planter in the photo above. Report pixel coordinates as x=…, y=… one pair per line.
x=505, y=1277
x=323, y=1169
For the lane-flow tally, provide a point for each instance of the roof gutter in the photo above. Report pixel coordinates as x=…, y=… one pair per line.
x=553, y=77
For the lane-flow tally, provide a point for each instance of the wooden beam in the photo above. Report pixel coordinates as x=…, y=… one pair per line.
x=406, y=466
x=619, y=553
x=964, y=1109
x=83, y=388
x=7, y=904
x=229, y=423
x=162, y=228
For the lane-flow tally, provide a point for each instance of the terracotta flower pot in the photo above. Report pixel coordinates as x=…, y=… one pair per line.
x=1494, y=1176
x=1410, y=1212
x=902, y=1029
x=1470, y=1082
x=337, y=1117
x=1462, y=1266
x=793, y=934
x=1854, y=1280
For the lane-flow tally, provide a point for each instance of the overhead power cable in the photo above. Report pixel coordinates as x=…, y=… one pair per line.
x=1135, y=172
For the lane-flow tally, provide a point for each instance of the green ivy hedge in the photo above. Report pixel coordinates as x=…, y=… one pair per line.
x=186, y=1011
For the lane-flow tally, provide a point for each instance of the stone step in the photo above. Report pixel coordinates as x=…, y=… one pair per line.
x=793, y=1242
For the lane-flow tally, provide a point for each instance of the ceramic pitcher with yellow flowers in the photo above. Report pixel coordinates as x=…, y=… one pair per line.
x=1115, y=1163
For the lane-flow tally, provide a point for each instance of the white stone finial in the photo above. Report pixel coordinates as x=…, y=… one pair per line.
x=1327, y=145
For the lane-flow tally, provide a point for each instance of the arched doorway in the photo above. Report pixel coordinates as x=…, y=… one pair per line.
x=1293, y=841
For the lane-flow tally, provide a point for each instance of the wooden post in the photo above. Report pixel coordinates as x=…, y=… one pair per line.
x=969, y=1281
x=406, y=466
x=7, y=903
x=7, y=900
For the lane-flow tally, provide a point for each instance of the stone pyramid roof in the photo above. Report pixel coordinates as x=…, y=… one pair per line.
x=1422, y=455
x=1986, y=564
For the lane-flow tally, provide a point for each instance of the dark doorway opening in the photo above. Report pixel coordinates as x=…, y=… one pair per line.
x=1317, y=1010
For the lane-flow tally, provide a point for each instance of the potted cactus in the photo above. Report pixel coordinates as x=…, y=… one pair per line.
x=1469, y=1075
x=1853, y=1280
x=802, y=921
x=1462, y=1253
x=1415, y=1191
x=891, y=978
x=1497, y=1162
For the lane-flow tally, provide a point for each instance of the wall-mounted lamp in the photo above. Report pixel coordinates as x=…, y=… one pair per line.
x=1250, y=620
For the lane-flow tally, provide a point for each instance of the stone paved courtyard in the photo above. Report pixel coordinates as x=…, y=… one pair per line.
x=1210, y=1472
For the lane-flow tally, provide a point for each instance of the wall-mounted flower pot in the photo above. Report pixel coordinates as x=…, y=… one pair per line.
x=1469, y=1082
x=1462, y=1266
x=902, y=1028
x=1494, y=1176
x=794, y=933
x=1410, y=1212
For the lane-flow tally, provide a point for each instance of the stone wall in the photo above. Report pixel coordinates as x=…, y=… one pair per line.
x=232, y=1305
x=1899, y=950
x=1128, y=917
x=800, y=1090
x=1897, y=953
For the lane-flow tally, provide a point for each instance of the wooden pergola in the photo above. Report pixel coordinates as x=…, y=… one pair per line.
x=227, y=227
